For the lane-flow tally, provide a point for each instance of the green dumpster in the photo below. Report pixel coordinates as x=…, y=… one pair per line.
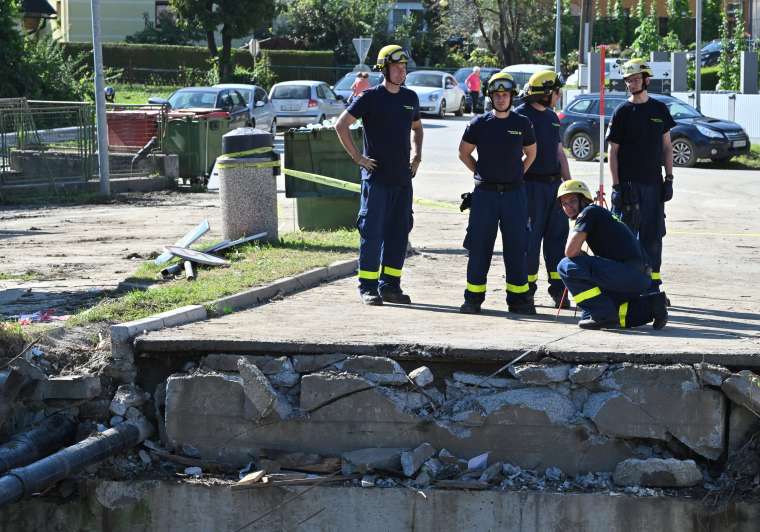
x=196, y=137
x=318, y=150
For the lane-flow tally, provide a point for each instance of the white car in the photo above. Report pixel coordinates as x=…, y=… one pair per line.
x=439, y=92
x=259, y=106
x=298, y=103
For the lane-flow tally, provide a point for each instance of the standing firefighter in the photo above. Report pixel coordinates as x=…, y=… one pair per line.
x=499, y=200
x=390, y=114
x=611, y=286
x=639, y=145
x=542, y=181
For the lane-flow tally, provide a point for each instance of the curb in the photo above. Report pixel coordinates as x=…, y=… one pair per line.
x=124, y=334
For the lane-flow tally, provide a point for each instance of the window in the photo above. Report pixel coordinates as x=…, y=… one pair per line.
x=420, y=79
x=237, y=99
x=329, y=94
x=450, y=82
x=260, y=95
x=291, y=92
x=581, y=106
x=321, y=92
x=611, y=104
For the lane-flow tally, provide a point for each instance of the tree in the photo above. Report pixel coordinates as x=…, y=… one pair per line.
x=724, y=63
x=647, y=37
x=739, y=42
x=12, y=71
x=166, y=31
x=233, y=19
x=679, y=17
x=711, y=19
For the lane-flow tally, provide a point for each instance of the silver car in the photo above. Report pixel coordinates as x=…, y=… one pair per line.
x=298, y=103
x=439, y=92
x=260, y=108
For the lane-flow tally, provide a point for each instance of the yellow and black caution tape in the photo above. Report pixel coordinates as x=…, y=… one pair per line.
x=237, y=163
x=252, y=151
x=356, y=187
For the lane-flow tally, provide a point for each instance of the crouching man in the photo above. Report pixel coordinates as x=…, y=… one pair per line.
x=611, y=287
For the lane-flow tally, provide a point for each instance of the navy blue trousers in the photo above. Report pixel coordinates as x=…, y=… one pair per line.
x=548, y=224
x=605, y=289
x=384, y=222
x=490, y=211
x=652, y=227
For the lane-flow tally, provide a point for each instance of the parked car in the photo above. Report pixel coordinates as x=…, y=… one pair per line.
x=574, y=79
x=260, y=109
x=229, y=100
x=695, y=136
x=298, y=103
x=521, y=74
x=438, y=92
x=485, y=74
x=709, y=54
x=343, y=86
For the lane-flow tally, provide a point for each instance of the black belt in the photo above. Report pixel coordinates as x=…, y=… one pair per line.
x=499, y=187
x=551, y=178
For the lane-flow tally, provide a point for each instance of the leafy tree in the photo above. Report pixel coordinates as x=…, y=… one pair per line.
x=711, y=19
x=640, y=11
x=647, y=37
x=12, y=71
x=619, y=24
x=56, y=75
x=233, y=19
x=679, y=17
x=724, y=63
x=739, y=42
x=166, y=31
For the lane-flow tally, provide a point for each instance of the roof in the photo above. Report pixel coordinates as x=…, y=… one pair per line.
x=240, y=86
x=311, y=83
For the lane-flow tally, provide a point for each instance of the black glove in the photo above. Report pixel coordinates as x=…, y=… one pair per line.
x=667, y=188
x=466, y=201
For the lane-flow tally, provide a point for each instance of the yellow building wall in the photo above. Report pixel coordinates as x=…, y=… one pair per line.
x=118, y=18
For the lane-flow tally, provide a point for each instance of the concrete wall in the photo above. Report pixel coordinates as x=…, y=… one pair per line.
x=119, y=18
x=173, y=506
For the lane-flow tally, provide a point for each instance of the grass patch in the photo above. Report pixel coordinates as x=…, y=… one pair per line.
x=29, y=275
x=139, y=94
x=750, y=161
x=12, y=339
x=250, y=266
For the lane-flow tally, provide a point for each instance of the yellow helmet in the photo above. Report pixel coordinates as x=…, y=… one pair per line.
x=392, y=53
x=543, y=83
x=574, y=186
x=636, y=66
x=502, y=82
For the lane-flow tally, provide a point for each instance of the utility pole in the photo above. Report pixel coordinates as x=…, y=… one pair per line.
x=100, y=102
x=698, y=56
x=585, y=34
x=557, y=40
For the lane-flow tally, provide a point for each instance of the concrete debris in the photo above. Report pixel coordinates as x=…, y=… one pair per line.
x=658, y=473
x=144, y=457
x=413, y=402
x=368, y=481
x=319, y=389
x=433, y=467
x=126, y=396
x=116, y=420
x=257, y=388
x=478, y=380
x=478, y=463
x=371, y=459
x=279, y=370
x=312, y=363
x=743, y=388
x=446, y=457
x=422, y=480
x=741, y=425
x=553, y=473
x=539, y=374
x=69, y=387
x=194, y=471
x=586, y=373
x=28, y=370
x=639, y=380
x=711, y=374
x=491, y=472
x=422, y=376
x=188, y=450
x=411, y=461
x=381, y=370
x=556, y=407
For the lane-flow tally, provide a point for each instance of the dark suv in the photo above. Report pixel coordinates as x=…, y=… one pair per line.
x=695, y=136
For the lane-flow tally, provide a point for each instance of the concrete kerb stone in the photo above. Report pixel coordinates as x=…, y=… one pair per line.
x=124, y=334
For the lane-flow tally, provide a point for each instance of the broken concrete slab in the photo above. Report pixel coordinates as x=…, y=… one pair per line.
x=422, y=376
x=70, y=387
x=126, y=396
x=491, y=472
x=741, y=425
x=319, y=389
x=317, y=362
x=743, y=388
x=279, y=370
x=411, y=461
x=540, y=374
x=381, y=370
x=711, y=374
x=28, y=370
x=257, y=388
x=586, y=373
x=657, y=473
x=637, y=380
x=472, y=379
x=11, y=382
x=616, y=415
x=371, y=459
x=510, y=405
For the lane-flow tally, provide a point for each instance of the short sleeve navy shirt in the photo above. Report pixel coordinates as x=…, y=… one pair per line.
x=546, y=126
x=499, y=142
x=387, y=120
x=638, y=129
x=607, y=236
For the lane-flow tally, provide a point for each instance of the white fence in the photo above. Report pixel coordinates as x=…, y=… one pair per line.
x=743, y=109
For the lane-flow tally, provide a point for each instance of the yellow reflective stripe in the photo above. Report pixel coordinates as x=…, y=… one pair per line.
x=622, y=313
x=476, y=288
x=656, y=276
x=518, y=288
x=554, y=275
x=587, y=294
x=533, y=278
x=364, y=274
x=254, y=151
x=391, y=271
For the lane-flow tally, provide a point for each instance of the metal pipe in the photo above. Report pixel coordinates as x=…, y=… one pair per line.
x=34, y=478
x=25, y=448
x=557, y=39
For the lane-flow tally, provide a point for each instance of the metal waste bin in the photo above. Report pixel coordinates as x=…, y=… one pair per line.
x=247, y=183
x=197, y=138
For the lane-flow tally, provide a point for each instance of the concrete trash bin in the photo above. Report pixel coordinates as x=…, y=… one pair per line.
x=247, y=183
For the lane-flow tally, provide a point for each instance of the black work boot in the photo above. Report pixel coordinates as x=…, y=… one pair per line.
x=394, y=295
x=660, y=310
x=527, y=308
x=371, y=297
x=594, y=324
x=469, y=308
